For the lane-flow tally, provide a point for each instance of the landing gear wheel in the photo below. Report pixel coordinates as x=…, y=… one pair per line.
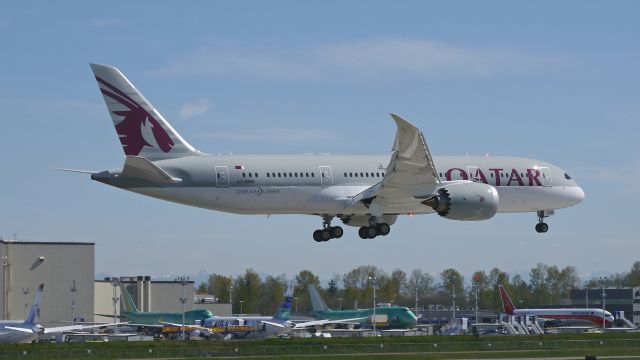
x=383, y=229
x=362, y=232
x=325, y=235
x=316, y=236
x=371, y=232
x=336, y=232
x=542, y=227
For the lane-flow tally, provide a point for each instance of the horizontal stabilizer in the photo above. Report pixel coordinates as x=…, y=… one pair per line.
x=25, y=330
x=140, y=168
x=77, y=171
x=274, y=324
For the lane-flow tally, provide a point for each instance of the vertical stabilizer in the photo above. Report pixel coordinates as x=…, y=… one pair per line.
x=141, y=128
x=317, y=302
x=284, y=310
x=507, y=304
x=34, y=313
x=128, y=304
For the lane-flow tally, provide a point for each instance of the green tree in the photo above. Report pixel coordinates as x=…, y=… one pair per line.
x=202, y=289
x=271, y=294
x=303, y=280
x=632, y=279
x=247, y=289
x=219, y=285
x=451, y=278
x=538, y=283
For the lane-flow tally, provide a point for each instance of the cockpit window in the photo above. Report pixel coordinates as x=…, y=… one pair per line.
x=566, y=176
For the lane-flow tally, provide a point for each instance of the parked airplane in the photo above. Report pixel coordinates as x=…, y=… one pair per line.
x=397, y=317
x=368, y=192
x=136, y=317
x=249, y=327
x=17, y=331
x=591, y=314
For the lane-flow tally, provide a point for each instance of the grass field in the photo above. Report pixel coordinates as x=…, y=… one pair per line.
x=427, y=347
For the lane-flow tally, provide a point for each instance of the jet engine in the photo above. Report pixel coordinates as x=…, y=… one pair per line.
x=465, y=201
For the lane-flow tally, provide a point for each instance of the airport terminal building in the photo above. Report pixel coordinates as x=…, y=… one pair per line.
x=65, y=268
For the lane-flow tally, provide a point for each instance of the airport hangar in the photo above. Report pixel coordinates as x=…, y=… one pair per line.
x=60, y=265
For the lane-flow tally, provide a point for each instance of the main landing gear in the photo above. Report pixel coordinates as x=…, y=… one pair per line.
x=327, y=232
x=541, y=226
x=374, y=229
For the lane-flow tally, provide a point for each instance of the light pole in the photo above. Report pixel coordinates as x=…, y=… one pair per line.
x=453, y=298
x=604, y=296
x=340, y=301
x=241, y=301
x=25, y=292
x=73, y=290
x=183, y=280
x=586, y=296
x=416, y=309
x=375, y=319
x=476, y=303
x=230, y=302
x=115, y=282
x=296, y=299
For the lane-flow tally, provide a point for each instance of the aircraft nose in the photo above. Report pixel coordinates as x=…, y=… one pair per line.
x=579, y=194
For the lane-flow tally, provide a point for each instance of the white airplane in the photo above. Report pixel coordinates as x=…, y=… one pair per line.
x=596, y=316
x=22, y=331
x=368, y=192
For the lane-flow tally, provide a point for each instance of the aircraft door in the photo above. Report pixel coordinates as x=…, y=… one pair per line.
x=326, y=177
x=546, y=176
x=222, y=176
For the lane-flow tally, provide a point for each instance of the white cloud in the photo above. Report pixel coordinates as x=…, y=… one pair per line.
x=195, y=108
x=360, y=58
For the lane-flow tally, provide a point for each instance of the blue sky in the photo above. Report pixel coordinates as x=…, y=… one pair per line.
x=555, y=81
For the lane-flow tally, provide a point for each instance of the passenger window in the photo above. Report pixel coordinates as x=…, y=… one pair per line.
x=356, y=174
x=268, y=175
x=491, y=174
x=306, y=174
x=345, y=174
x=218, y=175
x=313, y=174
x=249, y=174
x=256, y=174
x=244, y=175
x=323, y=175
x=290, y=175
x=279, y=175
x=273, y=174
x=361, y=175
x=350, y=174
x=296, y=174
x=285, y=174
x=367, y=174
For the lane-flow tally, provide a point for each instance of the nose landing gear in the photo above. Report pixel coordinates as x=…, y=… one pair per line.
x=541, y=226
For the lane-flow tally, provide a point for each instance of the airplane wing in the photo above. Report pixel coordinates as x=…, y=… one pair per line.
x=411, y=172
x=26, y=330
x=306, y=324
x=274, y=324
x=61, y=329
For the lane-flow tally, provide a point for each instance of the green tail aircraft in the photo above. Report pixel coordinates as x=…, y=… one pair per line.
x=397, y=317
x=136, y=317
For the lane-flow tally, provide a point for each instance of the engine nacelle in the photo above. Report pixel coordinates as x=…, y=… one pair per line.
x=465, y=201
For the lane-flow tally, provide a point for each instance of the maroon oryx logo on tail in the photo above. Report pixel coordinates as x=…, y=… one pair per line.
x=135, y=129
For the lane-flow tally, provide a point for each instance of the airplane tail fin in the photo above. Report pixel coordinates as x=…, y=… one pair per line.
x=507, y=304
x=141, y=128
x=34, y=313
x=284, y=310
x=128, y=304
x=317, y=302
